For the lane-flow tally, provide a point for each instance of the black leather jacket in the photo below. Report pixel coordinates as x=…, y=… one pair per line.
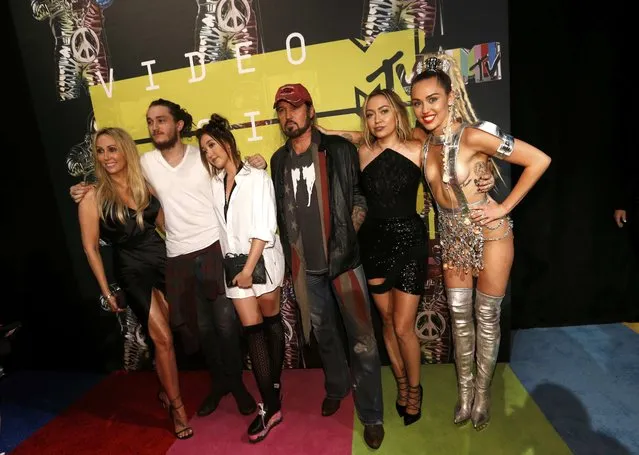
x=344, y=192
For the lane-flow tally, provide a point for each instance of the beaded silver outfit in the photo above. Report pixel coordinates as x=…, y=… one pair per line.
x=462, y=239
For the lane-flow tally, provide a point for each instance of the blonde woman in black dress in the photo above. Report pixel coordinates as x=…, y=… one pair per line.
x=121, y=209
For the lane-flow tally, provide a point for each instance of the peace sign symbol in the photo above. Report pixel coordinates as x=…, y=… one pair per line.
x=430, y=325
x=85, y=45
x=233, y=15
x=288, y=331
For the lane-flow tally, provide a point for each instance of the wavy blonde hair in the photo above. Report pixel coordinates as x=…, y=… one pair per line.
x=110, y=205
x=403, y=128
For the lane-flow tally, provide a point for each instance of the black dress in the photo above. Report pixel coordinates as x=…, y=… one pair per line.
x=139, y=258
x=393, y=237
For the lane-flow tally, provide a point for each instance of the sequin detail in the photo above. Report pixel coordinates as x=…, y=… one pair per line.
x=393, y=237
x=462, y=240
x=395, y=249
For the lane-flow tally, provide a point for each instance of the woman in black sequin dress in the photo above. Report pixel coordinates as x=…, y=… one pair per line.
x=393, y=238
x=122, y=210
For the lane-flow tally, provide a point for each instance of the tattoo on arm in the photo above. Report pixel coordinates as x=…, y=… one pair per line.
x=355, y=140
x=358, y=216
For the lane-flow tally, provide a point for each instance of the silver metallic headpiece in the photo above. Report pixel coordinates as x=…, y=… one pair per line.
x=432, y=64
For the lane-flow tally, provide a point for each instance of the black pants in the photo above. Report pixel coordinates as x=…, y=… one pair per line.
x=219, y=331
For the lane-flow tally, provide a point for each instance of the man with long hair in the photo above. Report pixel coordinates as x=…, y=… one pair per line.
x=194, y=274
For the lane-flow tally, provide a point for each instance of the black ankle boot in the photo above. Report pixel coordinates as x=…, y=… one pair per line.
x=212, y=400
x=263, y=423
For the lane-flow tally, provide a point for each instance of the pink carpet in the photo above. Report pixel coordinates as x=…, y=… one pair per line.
x=303, y=429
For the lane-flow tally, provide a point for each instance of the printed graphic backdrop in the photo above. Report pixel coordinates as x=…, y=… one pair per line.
x=100, y=62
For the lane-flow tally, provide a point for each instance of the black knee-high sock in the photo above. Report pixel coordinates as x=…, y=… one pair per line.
x=275, y=336
x=261, y=365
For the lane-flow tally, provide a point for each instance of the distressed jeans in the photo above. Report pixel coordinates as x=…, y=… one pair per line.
x=350, y=295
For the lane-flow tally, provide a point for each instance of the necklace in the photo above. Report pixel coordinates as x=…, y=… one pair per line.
x=440, y=140
x=437, y=139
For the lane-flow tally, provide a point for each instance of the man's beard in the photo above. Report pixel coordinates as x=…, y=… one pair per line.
x=299, y=131
x=168, y=144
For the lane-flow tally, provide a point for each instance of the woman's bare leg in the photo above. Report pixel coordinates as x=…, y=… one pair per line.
x=165, y=363
x=404, y=307
x=384, y=304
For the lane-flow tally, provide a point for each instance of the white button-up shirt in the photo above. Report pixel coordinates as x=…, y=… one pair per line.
x=251, y=214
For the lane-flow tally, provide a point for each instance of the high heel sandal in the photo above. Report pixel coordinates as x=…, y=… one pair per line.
x=412, y=403
x=186, y=432
x=402, y=394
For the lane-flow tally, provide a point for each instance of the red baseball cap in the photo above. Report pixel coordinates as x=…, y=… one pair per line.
x=296, y=94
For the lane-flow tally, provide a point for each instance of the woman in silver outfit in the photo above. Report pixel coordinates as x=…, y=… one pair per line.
x=475, y=231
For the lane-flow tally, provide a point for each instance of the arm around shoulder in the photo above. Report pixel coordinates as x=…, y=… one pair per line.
x=354, y=137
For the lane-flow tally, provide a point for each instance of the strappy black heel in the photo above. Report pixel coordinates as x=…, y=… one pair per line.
x=414, y=402
x=402, y=394
x=187, y=431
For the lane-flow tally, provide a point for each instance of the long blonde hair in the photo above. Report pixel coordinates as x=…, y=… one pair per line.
x=402, y=127
x=450, y=77
x=110, y=205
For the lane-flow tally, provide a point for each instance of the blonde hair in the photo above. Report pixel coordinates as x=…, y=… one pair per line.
x=403, y=128
x=110, y=205
x=450, y=77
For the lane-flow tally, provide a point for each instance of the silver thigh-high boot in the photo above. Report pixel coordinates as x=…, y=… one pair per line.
x=460, y=303
x=487, y=311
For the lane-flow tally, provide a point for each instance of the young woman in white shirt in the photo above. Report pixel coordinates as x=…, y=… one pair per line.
x=244, y=203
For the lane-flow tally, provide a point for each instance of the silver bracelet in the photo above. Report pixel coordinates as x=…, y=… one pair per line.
x=104, y=300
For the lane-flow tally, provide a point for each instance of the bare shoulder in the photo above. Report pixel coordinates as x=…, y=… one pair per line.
x=90, y=194
x=89, y=203
x=419, y=134
x=414, y=146
x=364, y=151
x=477, y=139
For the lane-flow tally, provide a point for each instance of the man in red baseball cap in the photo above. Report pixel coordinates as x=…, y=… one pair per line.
x=296, y=94
x=320, y=208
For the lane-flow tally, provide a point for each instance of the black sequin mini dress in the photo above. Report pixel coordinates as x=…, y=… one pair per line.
x=393, y=237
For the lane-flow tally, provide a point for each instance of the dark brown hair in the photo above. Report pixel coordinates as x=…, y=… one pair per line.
x=219, y=129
